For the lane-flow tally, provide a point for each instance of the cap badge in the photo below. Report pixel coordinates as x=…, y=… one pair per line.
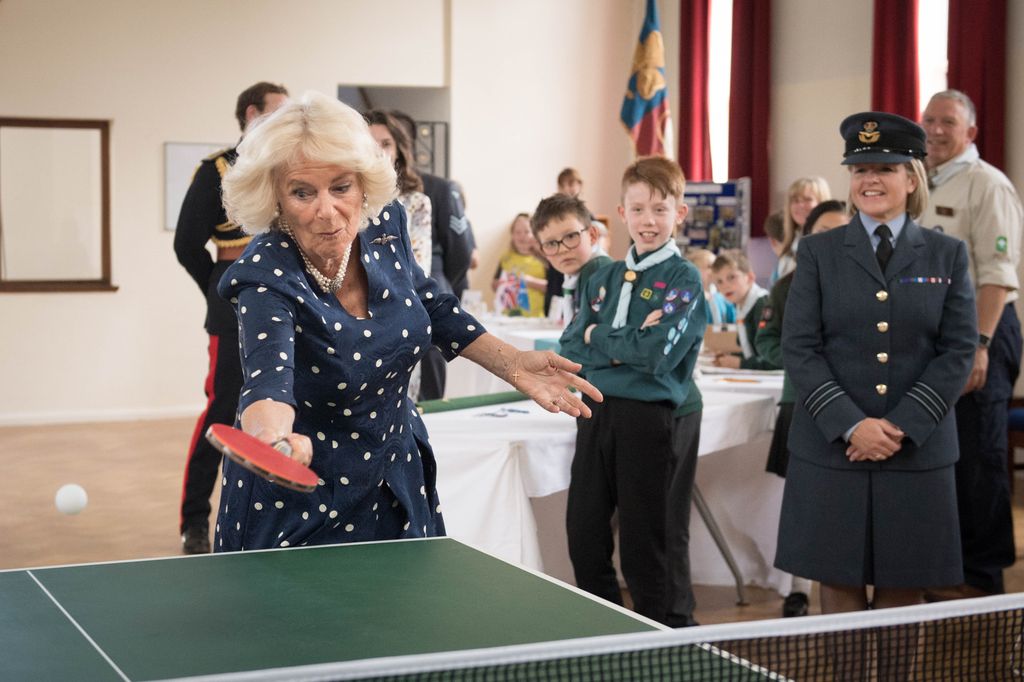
x=870, y=133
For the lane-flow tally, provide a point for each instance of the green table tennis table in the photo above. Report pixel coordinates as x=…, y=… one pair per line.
x=358, y=611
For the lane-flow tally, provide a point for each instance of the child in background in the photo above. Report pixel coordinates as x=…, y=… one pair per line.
x=569, y=240
x=720, y=311
x=785, y=260
x=637, y=335
x=570, y=182
x=519, y=282
x=735, y=280
x=604, y=240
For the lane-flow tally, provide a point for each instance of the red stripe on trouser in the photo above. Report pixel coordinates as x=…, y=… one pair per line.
x=196, y=434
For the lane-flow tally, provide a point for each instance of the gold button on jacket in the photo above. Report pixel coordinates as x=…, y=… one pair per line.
x=883, y=327
x=882, y=295
x=881, y=388
x=883, y=357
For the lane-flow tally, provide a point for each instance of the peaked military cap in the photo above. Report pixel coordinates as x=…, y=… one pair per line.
x=879, y=137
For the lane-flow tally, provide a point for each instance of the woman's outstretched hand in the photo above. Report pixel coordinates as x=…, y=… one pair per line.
x=547, y=378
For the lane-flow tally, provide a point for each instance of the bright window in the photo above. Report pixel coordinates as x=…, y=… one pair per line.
x=719, y=70
x=932, y=59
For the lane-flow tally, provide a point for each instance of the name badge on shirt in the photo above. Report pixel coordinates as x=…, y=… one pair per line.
x=945, y=211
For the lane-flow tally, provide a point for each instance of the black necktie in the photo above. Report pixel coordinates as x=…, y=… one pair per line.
x=884, y=251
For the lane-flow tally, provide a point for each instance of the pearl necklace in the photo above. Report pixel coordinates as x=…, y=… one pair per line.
x=329, y=285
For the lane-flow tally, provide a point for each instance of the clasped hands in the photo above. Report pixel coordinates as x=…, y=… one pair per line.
x=874, y=440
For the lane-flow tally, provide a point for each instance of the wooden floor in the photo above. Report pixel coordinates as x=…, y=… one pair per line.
x=132, y=472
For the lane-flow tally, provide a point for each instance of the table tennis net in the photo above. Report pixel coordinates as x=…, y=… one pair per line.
x=977, y=639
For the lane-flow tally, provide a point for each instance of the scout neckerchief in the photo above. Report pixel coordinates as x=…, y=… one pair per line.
x=632, y=267
x=569, y=285
x=946, y=171
x=753, y=296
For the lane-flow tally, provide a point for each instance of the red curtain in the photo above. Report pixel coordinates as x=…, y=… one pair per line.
x=977, y=66
x=750, y=103
x=894, y=79
x=694, y=133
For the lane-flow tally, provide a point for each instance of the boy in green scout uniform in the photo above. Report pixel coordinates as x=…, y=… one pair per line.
x=637, y=335
x=735, y=280
x=569, y=240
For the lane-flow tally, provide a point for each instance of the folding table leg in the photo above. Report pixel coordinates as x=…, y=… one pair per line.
x=723, y=546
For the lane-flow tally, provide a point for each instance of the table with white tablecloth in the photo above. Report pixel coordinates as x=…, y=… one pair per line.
x=503, y=471
x=466, y=378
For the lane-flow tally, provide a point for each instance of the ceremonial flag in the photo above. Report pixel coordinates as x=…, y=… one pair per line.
x=645, y=111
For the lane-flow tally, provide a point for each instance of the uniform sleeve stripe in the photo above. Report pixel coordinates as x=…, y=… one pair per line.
x=821, y=395
x=923, y=396
x=928, y=390
x=822, y=406
x=823, y=399
x=927, y=407
x=935, y=410
x=819, y=390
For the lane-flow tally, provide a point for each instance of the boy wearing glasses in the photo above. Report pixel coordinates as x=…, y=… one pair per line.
x=569, y=241
x=637, y=334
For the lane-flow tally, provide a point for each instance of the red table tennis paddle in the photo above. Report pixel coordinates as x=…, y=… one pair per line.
x=262, y=459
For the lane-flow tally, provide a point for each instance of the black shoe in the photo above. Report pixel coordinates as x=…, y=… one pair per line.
x=196, y=540
x=795, y=605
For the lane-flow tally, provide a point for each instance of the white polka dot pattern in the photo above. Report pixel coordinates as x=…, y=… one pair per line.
x=301, y=348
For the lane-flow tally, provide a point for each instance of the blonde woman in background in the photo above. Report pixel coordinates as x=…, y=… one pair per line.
x=784, y=227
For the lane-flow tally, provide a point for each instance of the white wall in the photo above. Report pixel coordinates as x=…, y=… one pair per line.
x=538, y=91
x=164, y=72
x=1015, y=95
x=821, y=73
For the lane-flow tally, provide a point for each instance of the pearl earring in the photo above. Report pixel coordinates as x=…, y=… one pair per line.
x=366, y=204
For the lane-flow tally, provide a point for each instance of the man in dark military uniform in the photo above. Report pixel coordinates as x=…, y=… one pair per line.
x=202, y=219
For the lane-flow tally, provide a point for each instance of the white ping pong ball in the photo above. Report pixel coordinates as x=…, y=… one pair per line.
x=71, y=499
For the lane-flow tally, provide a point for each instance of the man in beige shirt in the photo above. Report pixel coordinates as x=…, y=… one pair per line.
x=974, y=201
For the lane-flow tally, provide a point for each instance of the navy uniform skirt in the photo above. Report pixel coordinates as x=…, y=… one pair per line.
x=890, y=529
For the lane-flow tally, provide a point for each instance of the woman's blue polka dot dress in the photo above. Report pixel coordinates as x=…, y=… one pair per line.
x=347, y=380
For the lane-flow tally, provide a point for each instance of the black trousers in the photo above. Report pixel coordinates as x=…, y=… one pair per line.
x=982, y=479
x=637, y=458
x=223, y=385
x=433, y=373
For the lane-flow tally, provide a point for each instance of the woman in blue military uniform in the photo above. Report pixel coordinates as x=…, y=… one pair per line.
x=334, y=313
x=878, y=341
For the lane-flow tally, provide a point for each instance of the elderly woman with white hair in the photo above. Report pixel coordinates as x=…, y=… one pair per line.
x=334, y=314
